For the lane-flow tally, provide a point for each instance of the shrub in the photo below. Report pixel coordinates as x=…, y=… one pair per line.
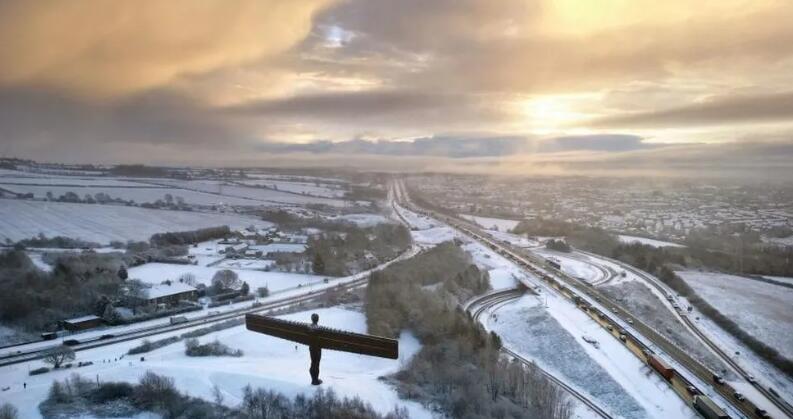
x=111, y=391
x=8, y=411
x=148, y=346
x=155, y=391
x=214, y=348
x=38, y=371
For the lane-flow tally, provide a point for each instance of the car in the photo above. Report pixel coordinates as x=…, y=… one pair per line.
x=107, y=336
x=630, y=321
x=693, y=390
x=750, y=378
x=718, y=379
x=71, y=342
x=739, y=396
x=761, y=413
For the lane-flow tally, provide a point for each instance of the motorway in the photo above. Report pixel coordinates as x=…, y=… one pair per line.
x=694, y=328
x=574, y=288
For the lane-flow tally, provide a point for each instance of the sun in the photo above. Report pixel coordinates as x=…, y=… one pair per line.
x=546, y=113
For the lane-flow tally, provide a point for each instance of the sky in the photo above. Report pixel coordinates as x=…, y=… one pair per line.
x=534, y=86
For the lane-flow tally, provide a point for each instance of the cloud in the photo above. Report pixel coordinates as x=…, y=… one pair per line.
x=99, y=48
x=40, y=124
x=718, y=110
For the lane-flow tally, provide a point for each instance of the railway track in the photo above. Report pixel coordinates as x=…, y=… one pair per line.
x=478, y=306
x=573, y=288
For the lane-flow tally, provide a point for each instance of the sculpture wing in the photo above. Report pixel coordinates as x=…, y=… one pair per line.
x=325, y=337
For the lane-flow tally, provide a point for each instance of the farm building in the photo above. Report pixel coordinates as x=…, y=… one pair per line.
x=81, y=323
x=168, y=293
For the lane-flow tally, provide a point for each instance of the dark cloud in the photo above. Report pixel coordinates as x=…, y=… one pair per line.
x=720, y=110
x=346, y=104
x=37, y=122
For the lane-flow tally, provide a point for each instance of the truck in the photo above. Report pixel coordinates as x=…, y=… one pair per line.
x=707, y=408
x=178, y=319
x=661, y=366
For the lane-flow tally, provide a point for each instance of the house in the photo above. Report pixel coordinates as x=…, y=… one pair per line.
x=168, y=293
x=81, y=323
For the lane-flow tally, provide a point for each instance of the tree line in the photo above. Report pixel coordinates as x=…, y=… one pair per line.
x=459, y=370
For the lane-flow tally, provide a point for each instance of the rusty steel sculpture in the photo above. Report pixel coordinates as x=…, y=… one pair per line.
x=319, y=337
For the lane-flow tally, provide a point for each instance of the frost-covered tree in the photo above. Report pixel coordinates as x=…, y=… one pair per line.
x=58, y=355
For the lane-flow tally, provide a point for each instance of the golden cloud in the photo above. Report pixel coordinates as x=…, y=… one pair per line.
x=106, y=48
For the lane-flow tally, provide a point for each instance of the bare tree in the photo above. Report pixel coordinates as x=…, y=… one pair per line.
x=225, y=280
x=188, y=278
x=58, y=355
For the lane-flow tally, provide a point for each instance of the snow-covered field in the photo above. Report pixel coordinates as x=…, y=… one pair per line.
x=22, y=219
x=155, y=273
x=267, y=363
x=67, y=181
x=761, y=309
x=609, y=373
x=363, y=220
x=141, y=194
x=279, y=247
x=496, y=224
x=257, y=195
x=650, y=242
x=324, y=190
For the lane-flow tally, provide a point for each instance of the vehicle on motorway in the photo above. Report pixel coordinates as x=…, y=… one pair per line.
x=71, y=342
x=554, y=263
x=707, y=408
x=107, y=336
x=661, y=366
x=718, y=379
x=750, y=378
x=771, y=389
x=739, y=396
x=761, y=413
x=693, y=390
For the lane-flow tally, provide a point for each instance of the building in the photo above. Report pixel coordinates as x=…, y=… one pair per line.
x=168, y=293
x=81, y=323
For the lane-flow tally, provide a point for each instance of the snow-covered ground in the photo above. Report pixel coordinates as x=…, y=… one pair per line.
x=496, y=224
x=268, y=362
x=761, y=309
x=650, y=242
x=552, y=336
x=611, y=374
x=363, y=220
x=279, y=247
x=784, y=279
x=779, y=241
x=155, y=273
x=257, y=196
x=67, y=180
x=324, y=190
x=23, y=219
